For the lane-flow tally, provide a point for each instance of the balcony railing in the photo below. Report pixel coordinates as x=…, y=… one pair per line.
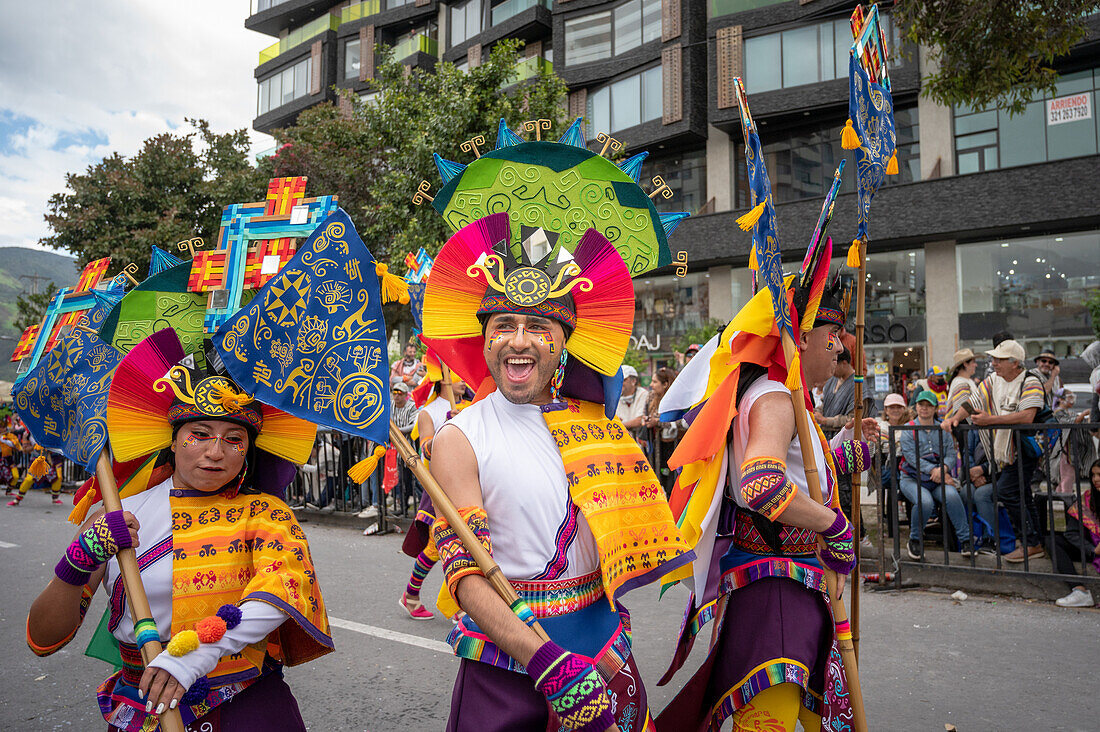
x=417, y=43
x=299, y=36
x=508, y=8
x=360, y=10
x=530, y=67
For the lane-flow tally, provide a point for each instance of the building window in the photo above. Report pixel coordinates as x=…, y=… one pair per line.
x=465, y=21
x=666, y=307
x=806, y=55
x=718, y=8
x=801, y=164
x=1052, y=128
x=686, y=174
x=1034, y=288
x=625, y=103
x=285, y=86
x=351, y=59
x=611, y=32
x=502, y=11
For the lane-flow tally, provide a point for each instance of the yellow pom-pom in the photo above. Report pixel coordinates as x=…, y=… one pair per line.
x=39, y=467
x=183, y=643
x=853, y=254
x=394, y=288
x=849, y=140
x=892, y=166
x=362, y=470
x=749, y=220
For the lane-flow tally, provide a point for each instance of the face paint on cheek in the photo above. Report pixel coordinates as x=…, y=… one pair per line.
x=190, y=441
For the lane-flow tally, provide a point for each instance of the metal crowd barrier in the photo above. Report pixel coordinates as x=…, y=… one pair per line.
x=1043, y=487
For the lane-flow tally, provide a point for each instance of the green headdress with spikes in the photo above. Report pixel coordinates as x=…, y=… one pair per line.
x=562, y=187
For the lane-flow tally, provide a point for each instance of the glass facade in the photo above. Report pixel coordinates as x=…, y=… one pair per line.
x=805, y=55
x=466, y=21
x=1052, y=128
x=1034, y=288
x=284, y=87
x=597, y=36
x=802, y=163
x=686, y=174
x=717, y=8
x=502, y=11
x=666, y=307
x=625, y=103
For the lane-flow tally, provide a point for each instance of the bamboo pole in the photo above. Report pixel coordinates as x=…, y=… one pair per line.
x=857, y=478
x=170, y=720
x=840, y=614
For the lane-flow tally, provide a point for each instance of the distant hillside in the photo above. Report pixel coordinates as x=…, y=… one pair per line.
x=17, y=263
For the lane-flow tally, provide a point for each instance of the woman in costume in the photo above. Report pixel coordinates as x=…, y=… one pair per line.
x=44, y=473
x=10, y=448
x=226, y=566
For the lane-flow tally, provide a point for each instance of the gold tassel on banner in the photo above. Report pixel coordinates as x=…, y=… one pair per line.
x=853, y=254
x=754, y=265
x=892, y=166
x=849, y=140
x=362, y=470
x=39, y=467
x=394, y=288
x=747, y=221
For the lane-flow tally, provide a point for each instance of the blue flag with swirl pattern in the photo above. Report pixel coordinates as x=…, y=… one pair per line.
x=871, y=109
x=312, y=341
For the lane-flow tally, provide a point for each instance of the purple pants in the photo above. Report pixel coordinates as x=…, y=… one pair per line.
x=491, y=699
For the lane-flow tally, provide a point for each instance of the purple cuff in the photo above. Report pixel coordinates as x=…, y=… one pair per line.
x=69, y=574
x=838, y=526
x=116, y=522
x=547, y=653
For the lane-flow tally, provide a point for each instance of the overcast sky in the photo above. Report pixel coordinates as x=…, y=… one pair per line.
x=79, y=80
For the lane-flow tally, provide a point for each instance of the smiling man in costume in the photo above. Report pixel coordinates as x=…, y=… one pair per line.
x=552, y=486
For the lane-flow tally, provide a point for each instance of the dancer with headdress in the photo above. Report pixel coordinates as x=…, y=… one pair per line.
x=744, y=498
x=44, y=473
x=226, y=566
x=535, y=314
x=10, y=449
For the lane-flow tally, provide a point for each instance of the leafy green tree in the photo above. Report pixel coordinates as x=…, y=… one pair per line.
x=374, y=153
x=174, y=188
x=32, y=306
x=994, y=53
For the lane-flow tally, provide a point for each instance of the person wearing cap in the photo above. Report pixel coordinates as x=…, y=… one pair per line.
x=1011, y=395
x=403, y=412
x=1049, y=369
x=632, y=401
x=546, y=479
x=226, y=567
x=937, y=384
x=961, y=380
x=690, y=351
x=926, y=479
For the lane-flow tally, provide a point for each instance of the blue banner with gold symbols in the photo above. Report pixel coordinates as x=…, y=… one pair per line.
x=312, y=341
x=64, y=400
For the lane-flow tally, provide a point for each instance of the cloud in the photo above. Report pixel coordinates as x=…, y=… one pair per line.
x=83, y=80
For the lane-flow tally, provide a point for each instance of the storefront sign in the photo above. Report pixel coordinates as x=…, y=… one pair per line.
x=1072, y=108
x=643, y=343
x=895, y=330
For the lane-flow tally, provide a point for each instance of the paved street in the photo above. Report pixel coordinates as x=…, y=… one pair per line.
x=984, y=664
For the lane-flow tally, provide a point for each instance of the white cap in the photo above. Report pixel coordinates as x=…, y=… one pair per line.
x=629, y=371
x=1008, y=349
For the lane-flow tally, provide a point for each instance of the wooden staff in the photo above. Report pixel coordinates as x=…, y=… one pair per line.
x=806, y=436
x=170, y=720
x=857, y=478
x=444, y=506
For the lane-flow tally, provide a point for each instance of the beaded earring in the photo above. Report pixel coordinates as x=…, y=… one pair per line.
x=559, y=375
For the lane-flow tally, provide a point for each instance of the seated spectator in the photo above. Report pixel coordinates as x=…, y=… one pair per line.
x=1070, y=545
x=894, y=413
x=926, y=478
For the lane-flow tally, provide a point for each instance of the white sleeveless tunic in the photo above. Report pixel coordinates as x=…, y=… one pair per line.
x=536, y=530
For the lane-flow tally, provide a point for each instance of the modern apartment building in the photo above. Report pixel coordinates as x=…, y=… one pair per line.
x=993, y=223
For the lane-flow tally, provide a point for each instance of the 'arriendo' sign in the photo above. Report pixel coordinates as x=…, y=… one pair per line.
x=1069, y=109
